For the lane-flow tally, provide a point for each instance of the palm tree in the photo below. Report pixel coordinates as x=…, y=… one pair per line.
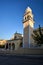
x=38, y=36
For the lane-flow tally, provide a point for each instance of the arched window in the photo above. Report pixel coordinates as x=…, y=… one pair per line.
x=29, y=17
x=15, y=37
x=25, y=18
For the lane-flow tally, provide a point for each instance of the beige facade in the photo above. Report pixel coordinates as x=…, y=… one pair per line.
x=2, y=42
x=14, y=43
x=28, y=24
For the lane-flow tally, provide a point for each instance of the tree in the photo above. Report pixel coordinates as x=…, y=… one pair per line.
x=2, y=46
x=38, y=36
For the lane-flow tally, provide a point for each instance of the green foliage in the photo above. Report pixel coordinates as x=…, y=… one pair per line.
x=38, y=36
x=2, y=46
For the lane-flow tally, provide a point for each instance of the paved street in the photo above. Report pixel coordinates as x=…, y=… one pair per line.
x=20, y=60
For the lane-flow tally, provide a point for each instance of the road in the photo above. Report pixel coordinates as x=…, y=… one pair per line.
x=21, y=60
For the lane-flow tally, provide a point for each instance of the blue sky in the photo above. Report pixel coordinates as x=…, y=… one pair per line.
x=11, y=15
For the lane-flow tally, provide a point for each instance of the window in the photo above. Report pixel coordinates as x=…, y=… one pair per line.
x=29, y=17
x=25, y=18
x=15, y=37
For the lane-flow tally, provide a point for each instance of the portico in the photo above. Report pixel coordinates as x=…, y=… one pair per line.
x=10, y=46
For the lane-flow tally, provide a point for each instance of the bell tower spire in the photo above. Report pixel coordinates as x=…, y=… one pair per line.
x=28, y=25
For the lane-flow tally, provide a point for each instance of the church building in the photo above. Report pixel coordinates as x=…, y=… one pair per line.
x=18, y=40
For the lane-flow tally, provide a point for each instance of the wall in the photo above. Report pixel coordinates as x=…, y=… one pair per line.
x=24, y=51
x=30, y=51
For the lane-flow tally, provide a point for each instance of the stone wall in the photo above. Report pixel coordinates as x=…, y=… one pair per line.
x=29, y=51
x=24, y=51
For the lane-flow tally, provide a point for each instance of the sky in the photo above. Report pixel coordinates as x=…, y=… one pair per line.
x=11, y=15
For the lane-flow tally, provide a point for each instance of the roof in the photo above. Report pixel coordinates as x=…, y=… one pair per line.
x=28, y=9
x=16, y=36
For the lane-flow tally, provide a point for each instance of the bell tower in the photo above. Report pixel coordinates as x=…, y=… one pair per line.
x=28, y=25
